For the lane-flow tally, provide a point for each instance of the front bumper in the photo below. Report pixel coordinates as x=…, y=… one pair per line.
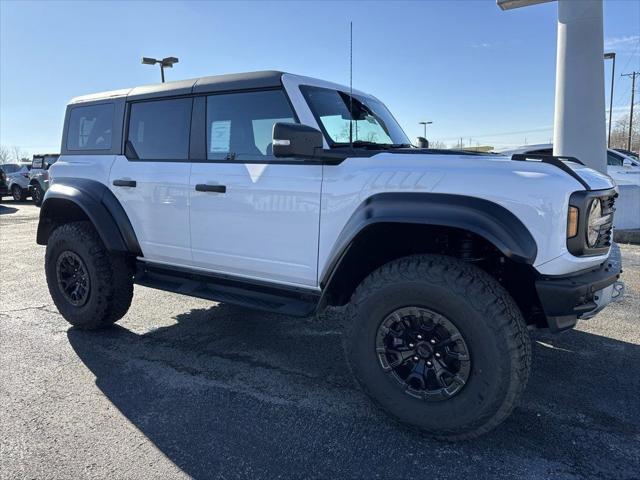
x=567, y=298
x=4, y=191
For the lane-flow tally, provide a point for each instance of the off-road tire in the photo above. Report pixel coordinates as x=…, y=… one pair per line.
x=37, y=194
x=111, y=280
x=18, y=193
x=486, y=316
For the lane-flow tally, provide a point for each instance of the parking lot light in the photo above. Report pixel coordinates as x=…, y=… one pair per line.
x=166, y=62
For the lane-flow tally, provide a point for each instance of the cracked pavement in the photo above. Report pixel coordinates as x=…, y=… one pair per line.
x=184, y=388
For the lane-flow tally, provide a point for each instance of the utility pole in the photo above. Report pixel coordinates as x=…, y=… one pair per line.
x=633, y=91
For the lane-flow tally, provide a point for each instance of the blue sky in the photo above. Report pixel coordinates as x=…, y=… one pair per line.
x=475, y=71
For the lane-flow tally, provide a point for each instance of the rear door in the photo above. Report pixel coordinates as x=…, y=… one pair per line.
x=151, y=180
x=253, y=215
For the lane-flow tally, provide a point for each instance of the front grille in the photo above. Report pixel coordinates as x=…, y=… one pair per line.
x=605, y=231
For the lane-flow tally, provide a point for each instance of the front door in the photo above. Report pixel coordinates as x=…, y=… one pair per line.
x=252, y=215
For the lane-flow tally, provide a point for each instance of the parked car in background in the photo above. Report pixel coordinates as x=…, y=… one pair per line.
x=4, y=191
x=628, y=153
x=624, y=169
x=39, y=176
x=16, y=180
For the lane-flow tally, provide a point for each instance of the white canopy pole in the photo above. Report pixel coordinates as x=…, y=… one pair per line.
x=579, y=124
x=579, y=120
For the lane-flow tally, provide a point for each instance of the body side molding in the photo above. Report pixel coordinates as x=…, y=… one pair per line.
x=489, y=220
x=98, y=203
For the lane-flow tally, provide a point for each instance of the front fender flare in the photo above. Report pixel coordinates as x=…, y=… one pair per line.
x=98, y=204
x=487, y=219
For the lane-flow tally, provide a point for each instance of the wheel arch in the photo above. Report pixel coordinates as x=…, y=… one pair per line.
x=367, y=239
x=74, y=199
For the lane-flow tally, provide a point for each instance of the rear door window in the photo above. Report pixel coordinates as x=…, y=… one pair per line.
x=90, y=127
x=159, y=129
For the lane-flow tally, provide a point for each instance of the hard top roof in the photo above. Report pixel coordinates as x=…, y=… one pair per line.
x=216, y=83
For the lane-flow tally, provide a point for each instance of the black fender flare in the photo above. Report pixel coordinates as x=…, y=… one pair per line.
x=98, y=204
x=487, y=219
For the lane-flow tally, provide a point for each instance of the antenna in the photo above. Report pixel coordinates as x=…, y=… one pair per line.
x=351, y=84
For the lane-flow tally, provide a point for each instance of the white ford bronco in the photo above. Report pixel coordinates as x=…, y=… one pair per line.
x=291, y=194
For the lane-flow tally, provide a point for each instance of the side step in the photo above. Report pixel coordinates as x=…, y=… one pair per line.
x=294, y=301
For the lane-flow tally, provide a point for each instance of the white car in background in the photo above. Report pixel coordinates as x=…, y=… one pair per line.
x=624, y=169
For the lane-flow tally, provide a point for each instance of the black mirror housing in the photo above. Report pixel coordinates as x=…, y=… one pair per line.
x=295, y=140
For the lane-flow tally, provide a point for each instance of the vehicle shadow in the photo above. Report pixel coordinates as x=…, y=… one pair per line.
x=5, y=210
x=229, y=392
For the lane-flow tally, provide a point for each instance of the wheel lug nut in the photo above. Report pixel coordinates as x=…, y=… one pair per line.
x=416, y=358
x=429, y=364
x=411, y=345
x=433, y=340
x=419, y=337
x=437, y=355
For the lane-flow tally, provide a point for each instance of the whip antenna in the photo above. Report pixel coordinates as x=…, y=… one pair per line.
x=351, y=84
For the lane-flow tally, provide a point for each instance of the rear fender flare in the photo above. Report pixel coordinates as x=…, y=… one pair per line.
x=98, y=204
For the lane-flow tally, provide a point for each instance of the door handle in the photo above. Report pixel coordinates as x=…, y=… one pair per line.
x=204, y=187
x=124, y=183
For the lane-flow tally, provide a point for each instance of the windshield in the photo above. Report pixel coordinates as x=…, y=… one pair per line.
x=372, y=122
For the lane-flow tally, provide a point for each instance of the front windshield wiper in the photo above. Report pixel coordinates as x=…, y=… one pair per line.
x=373, y=145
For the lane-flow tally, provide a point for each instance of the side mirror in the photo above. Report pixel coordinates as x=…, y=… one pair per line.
x=627, y=163
x=295, y=140
x=422, y=142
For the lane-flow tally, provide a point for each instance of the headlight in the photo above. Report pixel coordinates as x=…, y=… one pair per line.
x=593, y=223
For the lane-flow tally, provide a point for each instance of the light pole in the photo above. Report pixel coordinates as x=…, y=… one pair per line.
x=611, y=56
x=425, y=127
x=166, y=62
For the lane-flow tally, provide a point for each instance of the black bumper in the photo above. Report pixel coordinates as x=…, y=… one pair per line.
x=4, y=191
x=565, y=299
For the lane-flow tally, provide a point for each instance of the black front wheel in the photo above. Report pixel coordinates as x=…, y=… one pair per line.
x=439, y=345
x=91, y=287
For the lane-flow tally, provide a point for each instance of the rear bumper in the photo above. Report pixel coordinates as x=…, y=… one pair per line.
x=567, y=298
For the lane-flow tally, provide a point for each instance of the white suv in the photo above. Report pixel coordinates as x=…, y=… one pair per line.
x=291, y=194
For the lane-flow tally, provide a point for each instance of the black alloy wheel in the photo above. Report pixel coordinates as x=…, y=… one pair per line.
x=73, y=278
x=424, y=352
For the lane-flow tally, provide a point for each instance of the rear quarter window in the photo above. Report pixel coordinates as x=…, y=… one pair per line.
x=90, y=127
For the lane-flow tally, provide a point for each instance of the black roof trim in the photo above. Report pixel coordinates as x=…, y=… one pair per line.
x=238, y=81
x=217, y=83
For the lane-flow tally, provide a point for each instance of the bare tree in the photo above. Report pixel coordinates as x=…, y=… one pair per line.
x=620, y=133
x=437, y=144
x=18, y=153
x=4, y=154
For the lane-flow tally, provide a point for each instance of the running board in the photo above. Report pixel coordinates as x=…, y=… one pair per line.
x=286, y=300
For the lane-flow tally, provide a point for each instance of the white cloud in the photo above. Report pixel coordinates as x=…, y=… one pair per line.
x=627, y=43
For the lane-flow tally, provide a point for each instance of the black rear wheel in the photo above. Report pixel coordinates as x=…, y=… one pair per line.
x=439, y=345
x=18, y=193
x=91, y=287
x=37, y=194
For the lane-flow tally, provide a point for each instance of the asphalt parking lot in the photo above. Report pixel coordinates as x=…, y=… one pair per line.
x=185, y=388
